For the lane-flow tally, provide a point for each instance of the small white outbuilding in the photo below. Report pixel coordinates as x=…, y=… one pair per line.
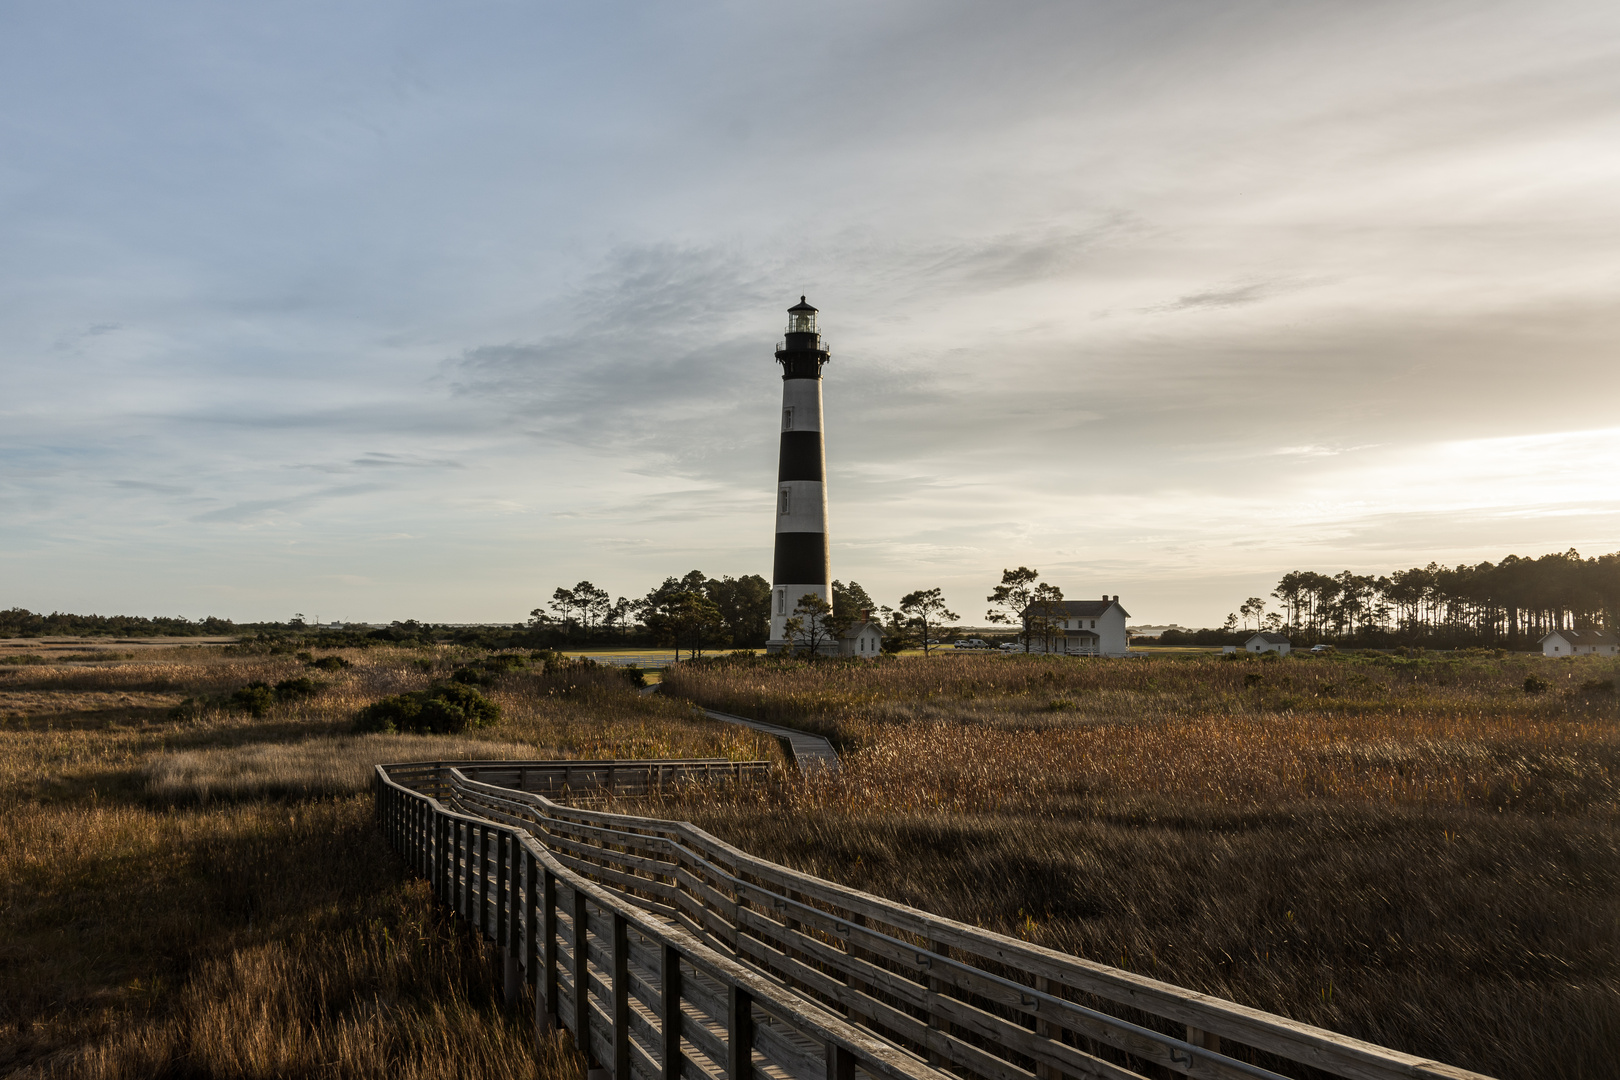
x=1268, y=642
x=863, y=639
x=1580, y=643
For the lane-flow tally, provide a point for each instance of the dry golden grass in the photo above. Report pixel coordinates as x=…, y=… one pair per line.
x=210, y=897
x=329, y=765
x=1418, y=854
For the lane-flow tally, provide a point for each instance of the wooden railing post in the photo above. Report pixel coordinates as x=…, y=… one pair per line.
x=1043, y=1027
x=531, y=910
x=840, y=1063
x=671, y=1005
x=482, y=922
x=506, y=905
x=498, y=931
x=582, y=976
x=441, y=854
x=546, y=988
x=621, y=997
x=739, y=1034
x=466, y=870
x=938, y=986
x=464, y=836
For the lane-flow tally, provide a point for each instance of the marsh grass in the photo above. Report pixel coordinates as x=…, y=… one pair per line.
x=1419, y=854
x=209, y=896
x=324, y=765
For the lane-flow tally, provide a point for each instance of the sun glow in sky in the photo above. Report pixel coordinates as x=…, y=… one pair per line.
x=377, y=311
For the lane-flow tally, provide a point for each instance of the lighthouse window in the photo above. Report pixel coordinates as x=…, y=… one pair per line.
x=787, y=500
x=781, y=601
x=787, y=419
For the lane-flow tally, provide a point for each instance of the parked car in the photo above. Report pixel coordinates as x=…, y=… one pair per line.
x=1323, y=649
x=973, y=643
x=1011, y=646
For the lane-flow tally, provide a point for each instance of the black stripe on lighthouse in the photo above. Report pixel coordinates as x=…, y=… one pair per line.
x=801, y=456
x=801, y=557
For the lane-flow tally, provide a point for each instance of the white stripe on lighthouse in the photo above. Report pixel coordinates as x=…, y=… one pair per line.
x=801, y=405
x=801, y=506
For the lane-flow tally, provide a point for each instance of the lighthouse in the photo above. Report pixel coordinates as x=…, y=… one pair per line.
x=801, y=477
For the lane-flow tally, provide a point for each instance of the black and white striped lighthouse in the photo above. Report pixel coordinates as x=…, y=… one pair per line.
x=801, y=475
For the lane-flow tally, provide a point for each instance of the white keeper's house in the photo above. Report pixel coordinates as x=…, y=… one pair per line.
x=1080, y=627
x=1580, y=643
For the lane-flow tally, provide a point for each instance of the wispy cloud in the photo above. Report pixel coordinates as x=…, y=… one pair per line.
x=1169, y=302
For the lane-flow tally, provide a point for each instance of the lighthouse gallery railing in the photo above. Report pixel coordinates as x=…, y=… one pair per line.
x=670, y=954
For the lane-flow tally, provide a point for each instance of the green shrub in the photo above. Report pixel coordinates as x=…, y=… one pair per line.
x=444, y=709
x=1535, y=684
x=256, y=698
x=328, y=663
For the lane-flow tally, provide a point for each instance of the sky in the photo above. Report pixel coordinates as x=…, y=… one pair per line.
x=374, y=311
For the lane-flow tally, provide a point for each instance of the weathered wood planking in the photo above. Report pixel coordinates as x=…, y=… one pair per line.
x=983, y=1005
x=595, y=970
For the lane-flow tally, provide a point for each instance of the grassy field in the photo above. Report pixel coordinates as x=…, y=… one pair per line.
x=192, y=890
x=1420, y=852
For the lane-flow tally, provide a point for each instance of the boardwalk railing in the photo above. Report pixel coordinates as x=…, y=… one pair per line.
x=839, y=980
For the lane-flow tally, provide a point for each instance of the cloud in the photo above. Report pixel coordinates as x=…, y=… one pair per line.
x=1243, y=294
x=1132, y=296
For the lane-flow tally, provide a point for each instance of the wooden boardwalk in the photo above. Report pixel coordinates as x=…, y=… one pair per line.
x=808, y=753
x=672, y=955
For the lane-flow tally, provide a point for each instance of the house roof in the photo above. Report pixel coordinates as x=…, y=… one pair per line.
x=1080, y=608
x=1584, y=637
x=856, y=628
x=1271, y=638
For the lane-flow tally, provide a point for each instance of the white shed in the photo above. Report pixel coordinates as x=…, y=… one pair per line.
x=1268, y=642
x=863, y=639
x=1580, y=643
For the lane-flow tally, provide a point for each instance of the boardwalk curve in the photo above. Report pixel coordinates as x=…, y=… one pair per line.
x=808, y=753
x=671, y=955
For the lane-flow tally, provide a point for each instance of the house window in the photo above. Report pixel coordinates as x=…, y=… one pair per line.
x=1093, y=623
x=787, y=501
x=787, y=419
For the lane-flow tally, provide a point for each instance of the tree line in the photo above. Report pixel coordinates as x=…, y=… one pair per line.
x=1507, y=604
x=695, y=613
x=20, y=622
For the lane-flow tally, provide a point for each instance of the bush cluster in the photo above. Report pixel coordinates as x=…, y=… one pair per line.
x=444, y=709
x=256, y=698
x=483, y=672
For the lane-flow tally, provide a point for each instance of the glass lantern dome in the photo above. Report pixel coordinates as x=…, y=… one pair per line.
x=801, y=318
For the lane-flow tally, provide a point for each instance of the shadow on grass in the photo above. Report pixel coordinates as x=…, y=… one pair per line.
x=248, y=940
